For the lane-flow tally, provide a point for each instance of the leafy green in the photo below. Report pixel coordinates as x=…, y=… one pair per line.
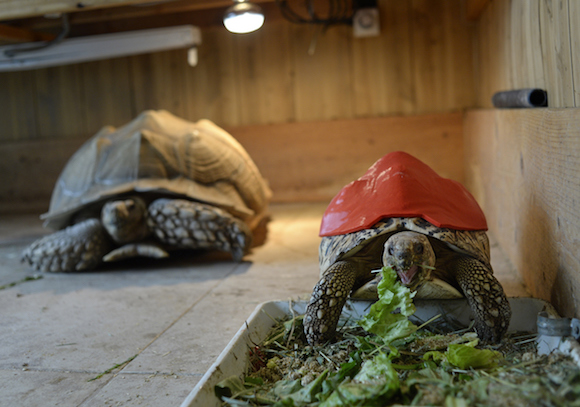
x=308, y=393
x=382, y=320
x=396, y=362
x=376, y=382
x=229, y=387
x=467, y=356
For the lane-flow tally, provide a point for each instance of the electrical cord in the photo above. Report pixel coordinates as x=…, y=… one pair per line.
x=339, y=12
x=12, y=52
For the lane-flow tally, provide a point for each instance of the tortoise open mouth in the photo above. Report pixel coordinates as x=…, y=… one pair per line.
x=406, y=276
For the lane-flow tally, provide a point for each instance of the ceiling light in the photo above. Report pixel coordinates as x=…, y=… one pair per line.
x=243, y=17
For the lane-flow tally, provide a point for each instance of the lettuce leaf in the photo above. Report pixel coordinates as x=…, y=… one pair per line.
x=376, y=383
x=382, y=319
x=467, y=356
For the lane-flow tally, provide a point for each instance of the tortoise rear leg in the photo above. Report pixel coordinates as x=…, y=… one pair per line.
x=192, y=225
x=78, y=247
x=328, y=298
x=485, y=296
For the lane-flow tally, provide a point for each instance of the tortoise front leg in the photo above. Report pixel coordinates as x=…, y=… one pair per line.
x=193, y=225
x=485, y=296
x=76, y=248
x=328, y=298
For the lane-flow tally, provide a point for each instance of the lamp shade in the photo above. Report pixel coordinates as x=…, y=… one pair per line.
x=243, y=17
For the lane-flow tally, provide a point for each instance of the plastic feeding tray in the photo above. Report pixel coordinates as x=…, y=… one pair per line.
x=234, y=359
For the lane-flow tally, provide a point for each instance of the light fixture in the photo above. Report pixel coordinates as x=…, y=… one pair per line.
x=95, y=47
x=243, y=17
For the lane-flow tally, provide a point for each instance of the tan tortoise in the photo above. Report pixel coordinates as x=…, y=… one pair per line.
x=429, y=229
x=157, y=183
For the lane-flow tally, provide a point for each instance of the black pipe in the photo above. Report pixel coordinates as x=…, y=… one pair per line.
x=521, y=98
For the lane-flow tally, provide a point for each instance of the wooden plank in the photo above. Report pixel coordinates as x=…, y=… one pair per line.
x=60, y=98
x=556, y=54
x=383, y=82
x=492, y=53
x=264, y=74
x=526, y=62
x=312, y=161
x=575, y=48
x=30, y=170
x=109, y=100
x=323, y=79
x=212, y=90
x=442, y=56
x=157, y=82
x=18, y=119
x=524, y=168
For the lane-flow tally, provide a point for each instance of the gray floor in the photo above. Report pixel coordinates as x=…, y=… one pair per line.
x=170, y=319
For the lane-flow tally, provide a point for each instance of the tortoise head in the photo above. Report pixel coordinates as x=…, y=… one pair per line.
x=411, y=256
x=125, y=219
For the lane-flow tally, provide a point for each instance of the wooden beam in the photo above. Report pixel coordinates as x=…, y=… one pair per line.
x=97, y=9
x=13, y=9
x=14, y=34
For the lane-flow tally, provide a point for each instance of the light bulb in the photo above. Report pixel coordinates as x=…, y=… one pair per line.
x=243, y=17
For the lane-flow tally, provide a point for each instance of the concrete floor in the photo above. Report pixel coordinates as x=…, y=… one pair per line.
x=165, y=322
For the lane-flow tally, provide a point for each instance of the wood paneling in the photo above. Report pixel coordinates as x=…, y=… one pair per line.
x=302, y=161
x=29, y=171
x=264, y=76
x=442, y=57
x=60, y=102
x=574, y=14
x=421, y=63
x=108, y=100
x=312, y=161
x=382, y=71
x=18, y=106
x=529, y=44
x=523, y=166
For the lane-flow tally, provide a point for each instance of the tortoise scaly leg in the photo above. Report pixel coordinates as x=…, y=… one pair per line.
x=192, y=225
x=76, y=248
x=485, y=296
x=328, y=298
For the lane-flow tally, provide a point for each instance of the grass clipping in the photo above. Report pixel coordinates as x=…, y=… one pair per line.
x=384, y=359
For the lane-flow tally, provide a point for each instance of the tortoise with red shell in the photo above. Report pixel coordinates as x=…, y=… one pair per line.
x=429, y=229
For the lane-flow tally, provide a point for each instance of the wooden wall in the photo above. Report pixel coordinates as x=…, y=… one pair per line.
x=420, y=64
x=523, y=165
x=529, y=44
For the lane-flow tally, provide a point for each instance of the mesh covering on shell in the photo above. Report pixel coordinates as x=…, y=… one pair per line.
x=159, y=152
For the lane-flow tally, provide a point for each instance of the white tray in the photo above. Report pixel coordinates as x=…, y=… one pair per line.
x=235, y=357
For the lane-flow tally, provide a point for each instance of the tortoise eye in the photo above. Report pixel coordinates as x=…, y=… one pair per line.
x=419, y=249
x=390, y=250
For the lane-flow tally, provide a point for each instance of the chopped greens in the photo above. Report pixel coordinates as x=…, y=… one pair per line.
x=384, y=360
x=382, y=319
